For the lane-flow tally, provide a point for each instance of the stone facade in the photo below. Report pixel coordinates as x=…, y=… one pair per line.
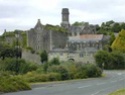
x=82, y=42
x=65, y=18
x=79, y=43
x=10, y=38
x=39, y=38
x=86, y=44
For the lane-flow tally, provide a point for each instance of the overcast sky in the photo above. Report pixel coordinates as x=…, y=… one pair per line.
x=23, y=14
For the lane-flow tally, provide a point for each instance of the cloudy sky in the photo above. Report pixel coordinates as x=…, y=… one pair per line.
x=23, y=14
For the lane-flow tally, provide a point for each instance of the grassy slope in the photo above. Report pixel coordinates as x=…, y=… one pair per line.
x=119, y=92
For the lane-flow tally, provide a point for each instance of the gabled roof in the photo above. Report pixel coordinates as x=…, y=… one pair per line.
x=86, y=38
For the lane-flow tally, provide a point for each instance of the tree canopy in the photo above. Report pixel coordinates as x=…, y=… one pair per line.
x=44, y=56
x=119, y=42
x=80, y=23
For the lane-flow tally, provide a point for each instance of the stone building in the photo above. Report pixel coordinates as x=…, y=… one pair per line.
x=10, y=38
x=39, y=38
x=65, y=18
x=79, y=42
x=86, y=44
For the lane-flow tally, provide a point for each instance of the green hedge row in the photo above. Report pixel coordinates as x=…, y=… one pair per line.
x=110, y=60
x=64, y=71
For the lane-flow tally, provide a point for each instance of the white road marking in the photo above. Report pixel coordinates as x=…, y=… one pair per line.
x=39, y=88
x=119, y=73
x=121, y=79
x=101, y=83
x=114, y=81
x=96, y=93
x=84, y=86
x=101, y=90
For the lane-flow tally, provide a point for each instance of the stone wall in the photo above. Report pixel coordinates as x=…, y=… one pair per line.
x=35, y=58
x=31, y=39
x=59, y=39
x=75, y=56
x=28, y=56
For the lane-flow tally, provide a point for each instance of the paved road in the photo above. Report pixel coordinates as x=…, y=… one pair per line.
x=97, y=86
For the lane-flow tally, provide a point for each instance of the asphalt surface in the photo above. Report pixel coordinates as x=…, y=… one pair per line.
x=96, y=86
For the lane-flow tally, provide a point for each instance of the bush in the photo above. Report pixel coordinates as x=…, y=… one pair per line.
x=19, y=66
x=44, y=56
x=10, y=83
x=61, y=70
x=92, y=70
x=87, y=71
x=54, y=77
x=37, y=77
x=64, y=71
x=110, y=60
x=118, y=60
x=81, y=71
x=102, y=57
x=54, y=61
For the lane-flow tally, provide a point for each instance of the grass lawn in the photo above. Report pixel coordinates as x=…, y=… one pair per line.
x=119, y=92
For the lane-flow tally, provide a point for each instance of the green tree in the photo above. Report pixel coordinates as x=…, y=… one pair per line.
x=118, y=60
x=54, y=61
x=108, y=23
x=122, y=26
x=80, y=23
x=116, y=27
x=7, y=51
x=112, y=38
x=119, y=42
x=110, y=60
x=44, y=56
x=102, y=58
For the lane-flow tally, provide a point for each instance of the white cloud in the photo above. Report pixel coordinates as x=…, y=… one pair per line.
x=44, y=4
x=23, y=14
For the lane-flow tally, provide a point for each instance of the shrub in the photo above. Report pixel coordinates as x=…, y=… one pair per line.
x=118, y=60
x=54, y=61
x=10, y=83
x=61, y=70
x=72, y=70
x=44, y=56
x=37, y=77
x=92, y=70
x=81, y=71
x=54, y=77
x=110, y=60
x=102, y=57
x=19, y=66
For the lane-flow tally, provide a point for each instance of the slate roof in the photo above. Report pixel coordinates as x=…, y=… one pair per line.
x=76, y=28
x=86, y=38
x=82, y=29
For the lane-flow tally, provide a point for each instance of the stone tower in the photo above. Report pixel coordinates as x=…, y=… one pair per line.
x=65, y=18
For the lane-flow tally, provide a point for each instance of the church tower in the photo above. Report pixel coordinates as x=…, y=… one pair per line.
x=65, y=18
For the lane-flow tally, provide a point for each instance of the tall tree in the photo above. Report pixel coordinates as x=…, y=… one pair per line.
x=44, y=56
x=119, y=42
